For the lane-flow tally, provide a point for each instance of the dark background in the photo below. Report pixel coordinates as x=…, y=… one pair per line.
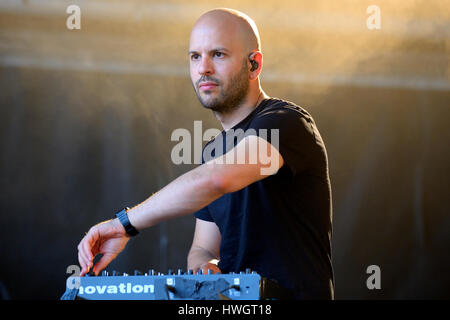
x=87, y=117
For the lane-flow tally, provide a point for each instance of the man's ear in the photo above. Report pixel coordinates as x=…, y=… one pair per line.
x=255, y=59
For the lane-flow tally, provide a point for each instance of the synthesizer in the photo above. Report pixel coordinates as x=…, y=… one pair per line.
x=248, y=285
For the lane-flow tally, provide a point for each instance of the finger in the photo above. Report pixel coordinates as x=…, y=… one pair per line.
x=87, y=253
x=90, y=242
x=85, y=265
x=213, y=268
x=205, y=270
x=84, y=262
x=81, y=259
x=216, y=270
x=82, y=251
x=87, y=247
x=85, y=250
x=103, y=262
x=84, y=271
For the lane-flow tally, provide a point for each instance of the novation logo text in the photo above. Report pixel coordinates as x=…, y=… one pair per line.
x=122, y=288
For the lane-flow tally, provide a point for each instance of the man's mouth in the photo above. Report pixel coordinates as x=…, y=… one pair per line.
x=207, y=85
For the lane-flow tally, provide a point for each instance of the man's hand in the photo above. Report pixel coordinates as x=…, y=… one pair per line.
x=108, y=238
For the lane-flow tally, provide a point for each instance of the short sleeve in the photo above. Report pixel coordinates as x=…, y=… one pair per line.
x=203, y=214
x=294, y=135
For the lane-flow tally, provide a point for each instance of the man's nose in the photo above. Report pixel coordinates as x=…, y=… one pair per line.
x=206, y=66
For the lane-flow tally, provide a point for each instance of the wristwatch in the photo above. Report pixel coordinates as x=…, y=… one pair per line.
x=123, y=218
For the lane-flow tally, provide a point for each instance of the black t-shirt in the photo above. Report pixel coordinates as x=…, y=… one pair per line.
x=280, y=226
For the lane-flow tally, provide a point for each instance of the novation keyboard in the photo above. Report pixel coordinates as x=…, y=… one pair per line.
x=247, y=285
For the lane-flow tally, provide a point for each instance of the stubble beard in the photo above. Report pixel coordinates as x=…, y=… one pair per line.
x=228, y=99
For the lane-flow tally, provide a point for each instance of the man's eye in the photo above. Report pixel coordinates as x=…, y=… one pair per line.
x=218, y=54
x=194, y=56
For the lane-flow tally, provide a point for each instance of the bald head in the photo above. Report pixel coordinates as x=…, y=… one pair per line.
x=228, y=24
x=225, y=59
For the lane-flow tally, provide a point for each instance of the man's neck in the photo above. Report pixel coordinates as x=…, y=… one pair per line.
x=230, y=119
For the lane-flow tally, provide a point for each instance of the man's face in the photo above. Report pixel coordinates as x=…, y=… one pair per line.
x=218, y=67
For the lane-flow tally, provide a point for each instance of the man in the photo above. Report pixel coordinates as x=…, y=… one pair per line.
x=276, y=222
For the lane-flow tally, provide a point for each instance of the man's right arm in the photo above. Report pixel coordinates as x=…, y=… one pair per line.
x=187, y=194
x=204, y=253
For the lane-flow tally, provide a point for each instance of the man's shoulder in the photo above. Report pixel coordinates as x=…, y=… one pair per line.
x=281, y=107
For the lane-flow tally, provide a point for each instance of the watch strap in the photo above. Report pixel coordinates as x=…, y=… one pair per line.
x=123, y=218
